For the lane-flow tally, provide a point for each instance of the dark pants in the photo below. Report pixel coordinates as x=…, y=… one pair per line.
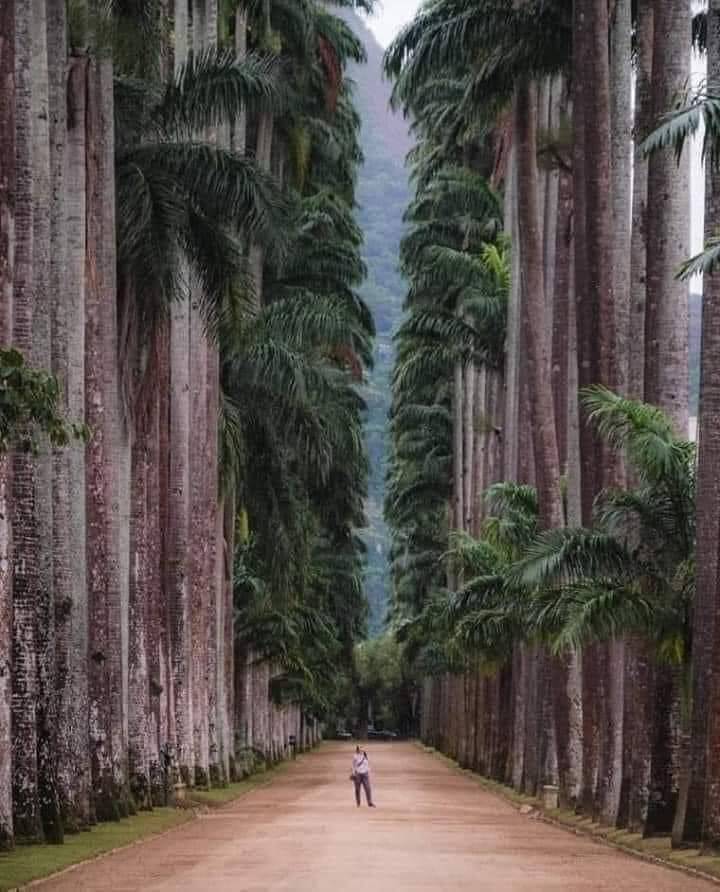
x=362, y=780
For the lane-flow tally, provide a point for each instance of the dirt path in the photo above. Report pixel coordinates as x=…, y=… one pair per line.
x=433, y=829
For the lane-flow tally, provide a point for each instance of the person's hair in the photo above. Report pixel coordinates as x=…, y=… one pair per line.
x=357, y=749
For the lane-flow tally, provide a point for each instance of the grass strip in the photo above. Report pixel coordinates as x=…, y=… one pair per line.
x=27, y=863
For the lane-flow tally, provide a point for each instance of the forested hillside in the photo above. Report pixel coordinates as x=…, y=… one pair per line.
x=383, y=195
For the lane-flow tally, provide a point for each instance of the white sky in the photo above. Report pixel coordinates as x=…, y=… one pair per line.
x=390, y=16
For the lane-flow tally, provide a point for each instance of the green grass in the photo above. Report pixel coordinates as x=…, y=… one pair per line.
x=26, y=863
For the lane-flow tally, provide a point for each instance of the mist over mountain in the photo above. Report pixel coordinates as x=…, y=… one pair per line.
x=383, y=195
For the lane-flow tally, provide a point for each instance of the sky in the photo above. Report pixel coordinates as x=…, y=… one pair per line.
x=390, y=16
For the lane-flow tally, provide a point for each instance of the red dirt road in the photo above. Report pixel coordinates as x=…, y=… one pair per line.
x=433, y=829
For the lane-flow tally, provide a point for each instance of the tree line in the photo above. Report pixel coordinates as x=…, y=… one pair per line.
x=182, y=472
x=555, y=532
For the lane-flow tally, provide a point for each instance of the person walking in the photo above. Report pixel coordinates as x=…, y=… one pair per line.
x=361, y=776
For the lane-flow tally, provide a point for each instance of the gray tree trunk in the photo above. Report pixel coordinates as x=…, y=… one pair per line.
x=7, y=264
x=698, y=797
x=469, y=384
x=27, y=825
x=74, y=773
x=102, y=413
x=179, y=499
x=59, y=657
x=666, y=315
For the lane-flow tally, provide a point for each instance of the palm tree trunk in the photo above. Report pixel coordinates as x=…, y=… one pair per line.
x=560, y=317
x=26, y=807
x=155, y=610
x=666, y=328
x=102, y=402
x=226, y=550
x=621, y=148
x=620, y=89
x=213, y=513
x=550, y=122
x=533, y=313
x=263, y=155
x=621, y=119
x=239, y=137
x=513, y=341
x=638, y=706
x=57, y=60
x=178, y=583
x=458, y=441
x=41, y=355
x=585, y=313
x=162, y=679
x=74, y=759
x=468, y=443
x=7, y=264
x=199, y=584
x=698, y=790
x=596, y=352
x=481, y=441
x=638, y=245
x=139, y=597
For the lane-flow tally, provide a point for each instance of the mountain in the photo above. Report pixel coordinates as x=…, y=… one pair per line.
x=383, y=195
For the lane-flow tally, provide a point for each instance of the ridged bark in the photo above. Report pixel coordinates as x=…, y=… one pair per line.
x=698, y=812
x=469, y=385
x=102, y=414
x=7, y=266
x=74, y=773
x=23, y=519
x=59, y=515
x=666, y=315
x=666, y=333
x=533, y=313
x=638, y=707
x=140, y=596
x=198, y=544
x=177, y=580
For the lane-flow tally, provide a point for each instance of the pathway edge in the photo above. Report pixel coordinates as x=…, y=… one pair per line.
x=517, y=800
x=193, y=814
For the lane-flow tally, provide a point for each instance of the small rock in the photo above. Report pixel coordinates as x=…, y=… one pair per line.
x=526, y=809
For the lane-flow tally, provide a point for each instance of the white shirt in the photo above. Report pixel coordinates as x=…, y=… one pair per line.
x=360, y=764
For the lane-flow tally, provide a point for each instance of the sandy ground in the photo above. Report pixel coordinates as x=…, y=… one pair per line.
x=433, y=829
